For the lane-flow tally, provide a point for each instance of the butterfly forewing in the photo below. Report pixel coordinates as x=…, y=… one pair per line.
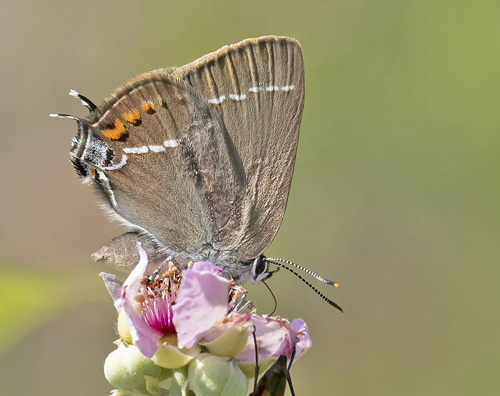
x=257, y=86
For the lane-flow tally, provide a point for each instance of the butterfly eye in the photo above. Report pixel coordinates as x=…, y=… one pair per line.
x=259, y=269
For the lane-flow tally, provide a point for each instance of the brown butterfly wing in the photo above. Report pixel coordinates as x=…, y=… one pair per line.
x=164, y=163
x=257, y=86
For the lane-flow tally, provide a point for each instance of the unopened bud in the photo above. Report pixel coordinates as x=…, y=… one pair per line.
x=211, y=375
x=126, y=368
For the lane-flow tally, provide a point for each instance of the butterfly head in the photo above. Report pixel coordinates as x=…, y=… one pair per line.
x=260, y=269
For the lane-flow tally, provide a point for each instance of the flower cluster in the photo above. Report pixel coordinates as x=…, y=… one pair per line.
x=187, y=331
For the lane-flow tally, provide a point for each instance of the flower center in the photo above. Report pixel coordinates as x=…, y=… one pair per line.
x=157, y=297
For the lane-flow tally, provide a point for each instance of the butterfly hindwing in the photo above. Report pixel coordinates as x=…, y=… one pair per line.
x=164, y=162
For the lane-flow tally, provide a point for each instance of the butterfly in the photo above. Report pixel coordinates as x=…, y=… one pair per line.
x=197, y=161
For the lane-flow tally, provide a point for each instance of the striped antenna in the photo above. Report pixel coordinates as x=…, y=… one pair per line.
x=282, y=265
x=318, y=277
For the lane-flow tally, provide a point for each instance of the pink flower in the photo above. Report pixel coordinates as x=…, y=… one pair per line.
x=275, y=337
x=197, y=307
x=202, y=303
x=165, y=306
x=147, y=318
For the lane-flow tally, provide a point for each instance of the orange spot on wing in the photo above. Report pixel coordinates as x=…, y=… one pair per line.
x=148, y=107
x=117, y=132
x=132, y=116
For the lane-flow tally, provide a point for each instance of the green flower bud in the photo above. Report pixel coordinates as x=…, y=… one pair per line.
x=122, y=327
x=210, y=375
x=126, y=368
x=168, y=355
x=231, y=342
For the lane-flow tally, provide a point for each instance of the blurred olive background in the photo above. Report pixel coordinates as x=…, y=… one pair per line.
x=395, y=193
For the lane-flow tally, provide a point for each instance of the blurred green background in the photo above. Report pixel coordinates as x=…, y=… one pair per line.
x=395, y=195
